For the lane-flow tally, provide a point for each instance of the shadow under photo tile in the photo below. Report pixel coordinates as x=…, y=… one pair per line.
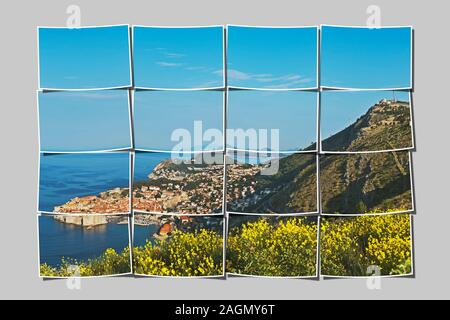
x=368, y=183
x=84, y=246
x=272, y=246
x=178, y=246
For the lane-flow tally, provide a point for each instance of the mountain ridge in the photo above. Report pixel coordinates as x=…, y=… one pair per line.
x=349, y=183
x=383, y=123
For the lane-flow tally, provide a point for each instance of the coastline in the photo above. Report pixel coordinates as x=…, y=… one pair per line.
x=91, y=221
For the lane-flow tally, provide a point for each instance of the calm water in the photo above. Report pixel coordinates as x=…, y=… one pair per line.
x=57, y=240
x=145, y=162
x=66, y=176
x=142, y=234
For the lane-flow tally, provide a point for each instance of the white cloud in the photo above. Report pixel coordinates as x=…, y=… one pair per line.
x=194, y=68
x=294, y=83
x=237, y=75
x=174, y=55
x=288, y=79
x=168, y=64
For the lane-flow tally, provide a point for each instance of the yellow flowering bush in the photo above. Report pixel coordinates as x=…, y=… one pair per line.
x=267, y=247
x=109, y=263
x=198, y=253
x=287, y=247
x=350, y=245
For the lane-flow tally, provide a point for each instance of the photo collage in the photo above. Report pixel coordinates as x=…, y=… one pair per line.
x=225, y=151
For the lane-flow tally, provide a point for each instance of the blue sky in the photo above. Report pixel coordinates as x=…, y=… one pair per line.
x=158, y=113
x=366, y=58
x=84, y=121
x=294, y=113
x=85, y=58
x=178, y=58
x=339, y=109
x=276, y=58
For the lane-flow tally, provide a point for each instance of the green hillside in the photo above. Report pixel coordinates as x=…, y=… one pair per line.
x=295, y=185
x=385, y=126
x=359, y=183
x=350, y=183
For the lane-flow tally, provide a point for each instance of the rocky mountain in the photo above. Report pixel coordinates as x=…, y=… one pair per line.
x=385, y=126
x=360, y=183
x=350, y=183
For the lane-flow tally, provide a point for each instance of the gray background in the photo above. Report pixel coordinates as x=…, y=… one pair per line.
x=18, y=239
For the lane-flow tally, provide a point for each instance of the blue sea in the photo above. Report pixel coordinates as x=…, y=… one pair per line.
x=57, y=240
x=144, y=233
x=145, y=162
x=66, y=176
